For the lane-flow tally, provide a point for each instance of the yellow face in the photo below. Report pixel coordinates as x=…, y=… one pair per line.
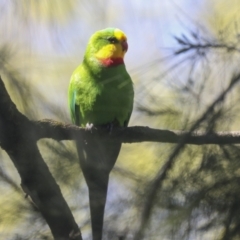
x=116, y=48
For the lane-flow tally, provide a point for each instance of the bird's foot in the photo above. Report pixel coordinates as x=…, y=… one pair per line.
x=89, y=127
x=109, y=127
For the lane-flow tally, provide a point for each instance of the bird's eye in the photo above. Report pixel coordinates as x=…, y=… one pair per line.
x=112, y=40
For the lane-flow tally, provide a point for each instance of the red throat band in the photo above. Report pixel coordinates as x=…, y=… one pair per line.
x=111, y=62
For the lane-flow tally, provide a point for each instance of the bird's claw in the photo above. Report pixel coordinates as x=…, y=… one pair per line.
x=89, y=126
x=110, y=127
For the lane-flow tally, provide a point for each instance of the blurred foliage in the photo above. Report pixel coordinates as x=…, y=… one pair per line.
x=48, y=11
x=175, y=80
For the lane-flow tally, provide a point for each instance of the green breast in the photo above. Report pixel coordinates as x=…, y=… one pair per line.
x=104, y=97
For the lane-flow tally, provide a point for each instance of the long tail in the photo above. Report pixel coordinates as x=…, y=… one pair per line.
x=97, y=158
x=97, y=200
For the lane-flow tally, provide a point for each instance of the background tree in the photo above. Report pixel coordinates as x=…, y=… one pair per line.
x=179, y=68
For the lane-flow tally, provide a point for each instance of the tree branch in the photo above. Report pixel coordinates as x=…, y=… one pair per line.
x=48, y=128
x=18, y=140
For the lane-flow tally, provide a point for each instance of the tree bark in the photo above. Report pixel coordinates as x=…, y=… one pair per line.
x=18, y=139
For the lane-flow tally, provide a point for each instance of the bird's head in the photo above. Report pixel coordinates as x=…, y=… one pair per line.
x=108, y=47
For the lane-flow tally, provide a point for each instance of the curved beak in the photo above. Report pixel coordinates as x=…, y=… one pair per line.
x=124, y=45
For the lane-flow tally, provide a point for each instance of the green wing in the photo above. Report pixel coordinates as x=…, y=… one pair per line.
x=73, y=107
x=73, y=94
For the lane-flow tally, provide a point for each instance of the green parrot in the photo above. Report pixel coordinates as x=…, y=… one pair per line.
x=101, y=95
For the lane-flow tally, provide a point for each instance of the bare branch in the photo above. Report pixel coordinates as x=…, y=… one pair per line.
x=48, y=128
x=18, y=140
